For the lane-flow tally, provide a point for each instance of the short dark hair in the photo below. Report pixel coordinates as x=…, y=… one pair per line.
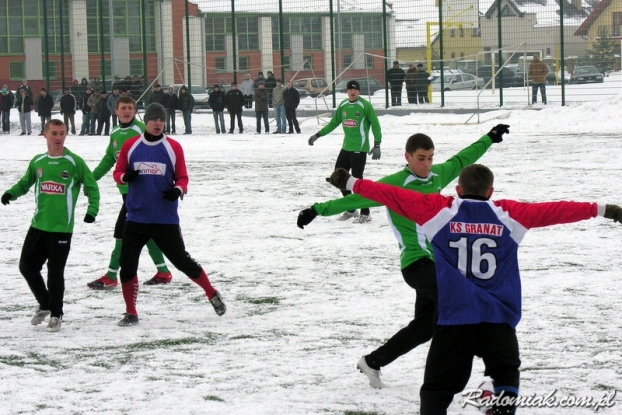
x=419, y=141
x=125, y=100
x=53, y=121
x=476, y=180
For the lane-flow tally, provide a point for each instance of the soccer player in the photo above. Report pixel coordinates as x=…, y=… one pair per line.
x=129, y=126
x=416, y=255
x=57, y=176
x=476, y=244
x=154, y=167
x=356, y=116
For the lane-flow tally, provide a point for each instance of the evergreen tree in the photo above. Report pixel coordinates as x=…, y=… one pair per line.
x=601, y=54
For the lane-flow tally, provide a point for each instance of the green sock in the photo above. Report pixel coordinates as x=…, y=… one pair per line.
x=113, y=266
x=157, y=256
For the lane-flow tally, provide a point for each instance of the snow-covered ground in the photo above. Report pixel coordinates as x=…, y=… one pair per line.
x=304, y=305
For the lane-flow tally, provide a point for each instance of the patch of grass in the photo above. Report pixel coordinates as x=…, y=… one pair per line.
x=265, y=300
x=213, y=398
x=360, y=413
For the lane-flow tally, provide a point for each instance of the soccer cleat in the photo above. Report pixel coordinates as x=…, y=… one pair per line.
x=362, y=219
x=160, y=278
x=372, y=374
x=128, y=320
x=348, y=215
x=53, y=324
x=40, y=315
x=102, y=283
x=219, y=306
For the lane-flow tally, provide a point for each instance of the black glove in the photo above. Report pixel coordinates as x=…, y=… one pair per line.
x=375, y=152
x=305, y=217
x=611, y=212
x=339, y=178
x=130, y=176
x=172, y=194
x=496, y=134
x=313, y=139
x=6, y=198
x=88, y=218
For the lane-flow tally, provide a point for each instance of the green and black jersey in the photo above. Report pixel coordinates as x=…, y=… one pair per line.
x=356, y=118
x=57, y=183
x=118, y=137
x=412, y=243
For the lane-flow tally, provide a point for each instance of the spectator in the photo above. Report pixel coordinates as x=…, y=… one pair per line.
x=247, y=88
x=291, y=100
x=158, y=95
x=68, y=109
x=234, y=100
x=411, y=84
x=103, y=114
x=6, y=104
x=216, y=101
x=261, y=97
x=24, y=106
x=112, y=103
x=25, y=86
x=396, y=76
x=97, y=86
x=186, y=105
x=279, y=107
x=172, y=104
x=45, y=103
x=538, y=71
x=260, y=78
x=270, y=84
x=80, y=91
x=86, y=113
x=94, y=99
x=421, y=84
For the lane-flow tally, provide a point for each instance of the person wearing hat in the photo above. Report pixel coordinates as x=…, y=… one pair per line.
x=112, y=103
x=128, y=127
x=234, y=101
x=152, y=203
x=68, y=109
x=44, y=105
x=171, y=106
x=260, y=78
x=186, y=105
x=157, y=95
x=247, y=87
x=216, y=102
x=396, y=75
x=103, y=114
x=356, y=115
x=6, y=103
x=422, y=80
x=261, y=97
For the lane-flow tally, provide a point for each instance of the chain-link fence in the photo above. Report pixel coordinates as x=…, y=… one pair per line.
x=484, y=49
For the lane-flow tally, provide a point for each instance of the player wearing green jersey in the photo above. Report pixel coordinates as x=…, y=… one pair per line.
x=57, y=176
x=417, y=257
x=128, y=127
x=356, y=116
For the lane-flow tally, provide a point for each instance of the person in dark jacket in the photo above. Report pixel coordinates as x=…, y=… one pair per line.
x=260, y=78
x=103, y=114
x=172, y=104
x=45, y=103
x=421, y=84
x=68, y=109
x=270, y=85
x=6, y=103
x=234, y=101
x=186, y=104
x=216, y=101
x=158, y=95
x=291, y=98
x=25, y=86
x=411, y=86
x=24, y=105
x=112, y=103
x=261, y=97
x=86, y=112
x=395, y=76
x=80, y=91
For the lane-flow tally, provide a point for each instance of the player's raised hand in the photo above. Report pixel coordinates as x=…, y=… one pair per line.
x=496, y=134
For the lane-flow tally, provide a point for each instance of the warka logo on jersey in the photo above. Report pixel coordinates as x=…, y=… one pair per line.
x=52, y=188
x=350, y=123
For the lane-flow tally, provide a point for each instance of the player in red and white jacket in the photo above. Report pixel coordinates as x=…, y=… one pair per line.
x=475, y=244
x=154, y=167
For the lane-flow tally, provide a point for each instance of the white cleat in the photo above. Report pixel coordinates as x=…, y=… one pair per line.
x=372, y=374
x=348, y=215
x=362, y=219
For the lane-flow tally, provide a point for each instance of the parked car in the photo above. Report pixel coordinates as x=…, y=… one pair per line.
x=454, y=82
x=586, y=74
x=199, y=93
x=506, y=74
x=523, y=79
x=368, y=85
x=311, y=86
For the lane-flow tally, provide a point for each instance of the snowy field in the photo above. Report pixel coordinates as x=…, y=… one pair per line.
x=305, y=305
